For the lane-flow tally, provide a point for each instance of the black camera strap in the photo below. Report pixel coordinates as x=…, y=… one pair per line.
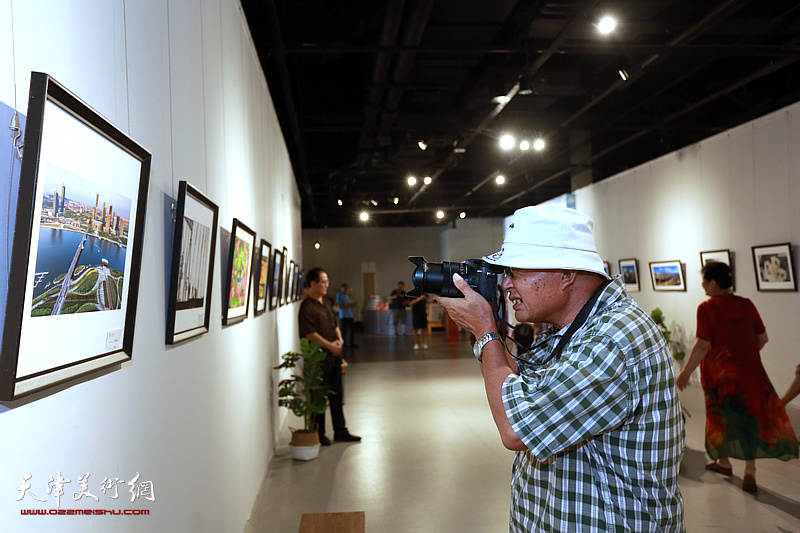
x=578, y=322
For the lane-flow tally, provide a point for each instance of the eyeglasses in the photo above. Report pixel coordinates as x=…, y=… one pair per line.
x=508, y=272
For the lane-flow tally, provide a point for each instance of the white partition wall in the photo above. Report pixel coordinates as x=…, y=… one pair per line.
x=198, y=420
x=735, y=190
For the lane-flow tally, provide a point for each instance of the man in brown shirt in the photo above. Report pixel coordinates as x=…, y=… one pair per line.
x=318, y=324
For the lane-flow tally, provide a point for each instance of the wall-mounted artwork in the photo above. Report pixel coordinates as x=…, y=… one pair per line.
x=774, y=267
x=607, y=267
x=262, y=278
x=719, y=256
x=284, y=288
x=275, y=284
x=301, y=281
x=77, y=245
x=667, y=276
x=192, y=273
x=239, y=275
x=629, y=270
x=290, y=281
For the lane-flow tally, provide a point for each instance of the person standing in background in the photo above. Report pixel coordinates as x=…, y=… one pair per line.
x=346, y=316
x=397, y=305
x=318, y=324
x=419, y=320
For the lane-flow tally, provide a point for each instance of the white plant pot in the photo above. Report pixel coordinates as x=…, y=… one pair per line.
x=304, y=453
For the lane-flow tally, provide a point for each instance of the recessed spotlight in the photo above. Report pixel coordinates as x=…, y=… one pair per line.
x=440, y=214
x=427, y=180
x=462, y=214
x=339, y=201
x=422, y=145
x=396, y=200
x=524, y=146
x=507, y=142
x=538, y=145
x=316, y=245
x=364, y=215
x=606, y=25
x=412, y=181
x=500, y=179
x=374, y=202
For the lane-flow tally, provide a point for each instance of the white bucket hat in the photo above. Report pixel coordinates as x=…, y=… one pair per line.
x=549, y=237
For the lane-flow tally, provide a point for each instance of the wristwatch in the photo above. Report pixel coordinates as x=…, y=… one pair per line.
x=477, y=348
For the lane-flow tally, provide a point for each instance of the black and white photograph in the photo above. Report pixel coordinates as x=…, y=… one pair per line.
x=189, y=307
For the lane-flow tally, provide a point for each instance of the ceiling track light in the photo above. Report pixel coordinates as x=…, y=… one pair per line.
x=606, y=24
x=422, y=145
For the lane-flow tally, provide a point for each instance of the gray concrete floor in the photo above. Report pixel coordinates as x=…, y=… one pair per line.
x=431, y=459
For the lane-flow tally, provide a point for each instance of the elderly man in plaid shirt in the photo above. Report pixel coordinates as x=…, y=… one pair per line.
x=592, y=408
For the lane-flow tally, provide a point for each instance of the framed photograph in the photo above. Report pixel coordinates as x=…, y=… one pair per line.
x=667, y=276
x=262, y=277
x=607, y=267
x=239, y=274
x=301, y=281
x=774, y=267
x=290, y=282
x=719, y=256
x=77, y=245
x=629, y=270
x=295, y=277
x=192, y=272
x=284, y=288
x=275, y=280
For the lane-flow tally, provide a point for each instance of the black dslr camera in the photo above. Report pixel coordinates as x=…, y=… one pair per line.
x=437, y=278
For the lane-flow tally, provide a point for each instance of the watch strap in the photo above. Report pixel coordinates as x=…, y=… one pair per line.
x=482, y=342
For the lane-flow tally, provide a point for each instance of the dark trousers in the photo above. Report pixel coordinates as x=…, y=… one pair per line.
x=348, y=329
x=333, y=379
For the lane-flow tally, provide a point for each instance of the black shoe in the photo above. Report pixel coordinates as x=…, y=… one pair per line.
x=347, y=437
x=325, y=441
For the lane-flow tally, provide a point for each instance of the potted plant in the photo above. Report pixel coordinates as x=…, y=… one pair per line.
x=675, y=346
x=305, y=395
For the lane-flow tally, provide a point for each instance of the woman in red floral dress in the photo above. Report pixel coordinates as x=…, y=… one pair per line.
x=745, y=418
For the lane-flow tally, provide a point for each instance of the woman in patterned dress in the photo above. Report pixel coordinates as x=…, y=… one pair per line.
x=745, y=418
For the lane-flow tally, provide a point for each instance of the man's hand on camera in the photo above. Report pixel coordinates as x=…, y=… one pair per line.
x=472, y=312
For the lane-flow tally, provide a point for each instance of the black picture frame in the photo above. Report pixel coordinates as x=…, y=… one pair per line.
x=192, y=270
x=56, y=332
x=301, y=280
x=261, y=281
x=275, y=282
x=284, y=288
x=239, y=274
x=719, y=256
x=290, y=282
x=774, y=268
x=667, y=276
x=629, y=270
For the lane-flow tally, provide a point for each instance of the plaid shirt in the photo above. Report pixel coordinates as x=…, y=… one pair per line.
x=602, y=424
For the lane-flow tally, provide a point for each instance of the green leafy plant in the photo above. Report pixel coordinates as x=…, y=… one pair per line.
x=304, y=393
x=675, y=347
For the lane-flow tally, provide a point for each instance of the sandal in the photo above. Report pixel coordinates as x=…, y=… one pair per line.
x=749, y=484
x=715, y=467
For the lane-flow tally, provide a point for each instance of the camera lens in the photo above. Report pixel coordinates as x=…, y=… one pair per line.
x=435, y=278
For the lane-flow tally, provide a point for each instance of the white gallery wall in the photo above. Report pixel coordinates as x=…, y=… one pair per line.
x=199, y=419
x=738, y=189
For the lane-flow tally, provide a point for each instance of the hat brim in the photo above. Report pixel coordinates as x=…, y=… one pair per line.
x=535, y=257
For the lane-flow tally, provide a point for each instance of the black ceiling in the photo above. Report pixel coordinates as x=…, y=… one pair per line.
x=357, y=83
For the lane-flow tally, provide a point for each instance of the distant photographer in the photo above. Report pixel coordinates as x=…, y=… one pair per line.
x=591, y=408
